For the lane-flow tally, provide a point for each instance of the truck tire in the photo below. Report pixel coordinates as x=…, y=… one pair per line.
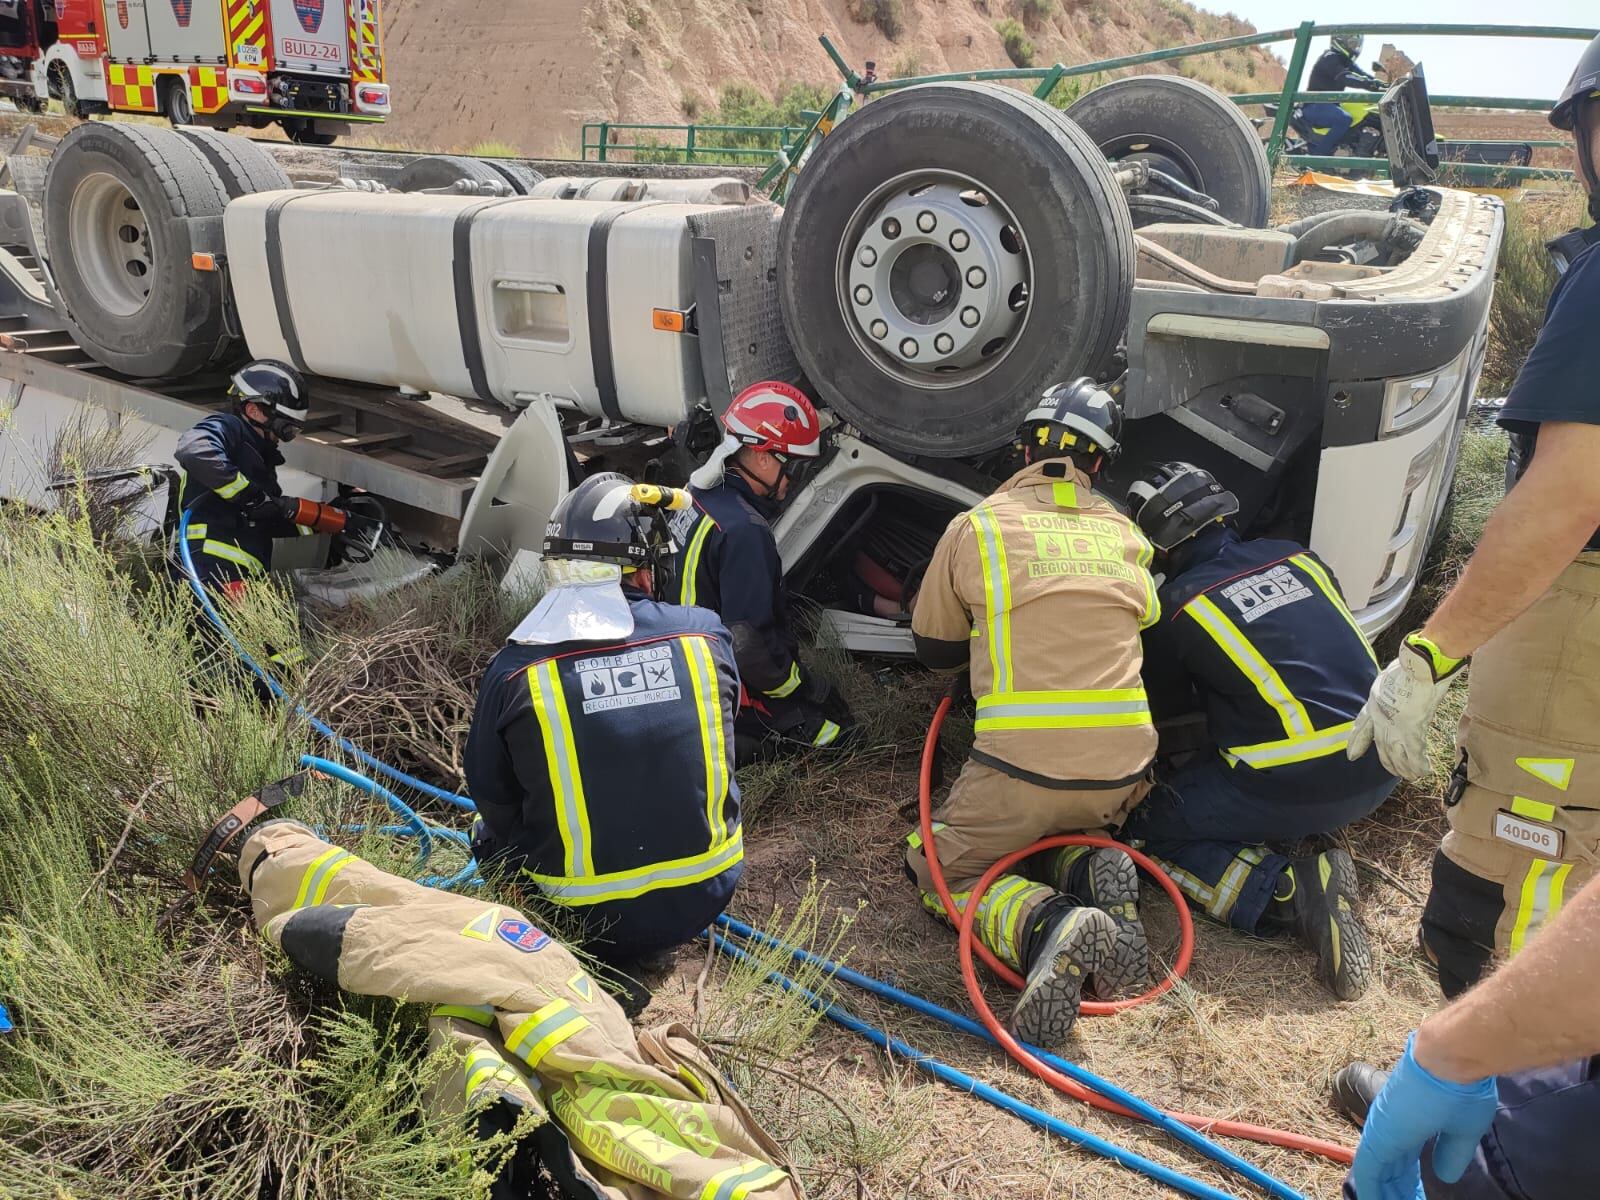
x=948, y=252
x=244, y=167
x=445, y=170
x=125, y=209
x=1188, y=130
x=177, y=104
x=522, y=179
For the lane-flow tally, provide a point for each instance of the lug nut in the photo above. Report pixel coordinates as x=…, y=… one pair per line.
x=867, y=257
x=863, y=294
x=944, y=343
x=879, y=329
x=969, y=317
x=959, y=240
x=976, y=278
x=926, y=221
x=908, y=348
x=890, y=227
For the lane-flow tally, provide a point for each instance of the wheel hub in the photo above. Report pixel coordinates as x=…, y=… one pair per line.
x=111, y=236
x=934, y=276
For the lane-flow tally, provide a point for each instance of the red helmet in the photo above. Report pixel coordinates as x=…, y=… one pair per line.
x=775, y=417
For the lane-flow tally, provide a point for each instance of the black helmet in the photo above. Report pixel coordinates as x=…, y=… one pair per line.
x=1348, y=43
x=604, y=520
x=1073, y=418
x=1569, y=114
x=278, y=388
x=1176, y=501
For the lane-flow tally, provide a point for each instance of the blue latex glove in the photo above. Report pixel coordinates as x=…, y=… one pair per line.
x=1414, y=1108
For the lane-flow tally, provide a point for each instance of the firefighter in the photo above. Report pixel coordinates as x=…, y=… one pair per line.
x=1041, y=592
x=1523, y=803
x=601, y=749
x=1261, y=633
x=728, y=561
x=616, y=1115
x=1335, y=71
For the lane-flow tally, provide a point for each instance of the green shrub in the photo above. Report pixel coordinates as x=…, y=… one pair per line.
x=1018, y=48
x=1036, y=11
x=885, y=14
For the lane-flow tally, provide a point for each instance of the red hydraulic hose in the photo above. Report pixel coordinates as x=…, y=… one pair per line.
x=1255, y=1133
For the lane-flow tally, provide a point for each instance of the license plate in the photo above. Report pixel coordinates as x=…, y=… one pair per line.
x=1541, y=839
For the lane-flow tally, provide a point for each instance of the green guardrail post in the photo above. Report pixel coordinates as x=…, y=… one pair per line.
x=688, y=145
x=851, y=79
x=1291, y=85
x=1048, y=83
x=605, y=136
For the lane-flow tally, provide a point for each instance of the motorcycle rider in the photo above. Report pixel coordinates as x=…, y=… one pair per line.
x=1335, y=71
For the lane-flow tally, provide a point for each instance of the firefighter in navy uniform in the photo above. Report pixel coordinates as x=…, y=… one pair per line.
x=601, y=750
x=1261, y=631
x=728, y=561
x=230, y=465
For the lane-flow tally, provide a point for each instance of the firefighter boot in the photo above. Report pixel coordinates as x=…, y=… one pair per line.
x=1314, y=897
x=1355, y=1088
x=1107, y=879
x=1062, y=953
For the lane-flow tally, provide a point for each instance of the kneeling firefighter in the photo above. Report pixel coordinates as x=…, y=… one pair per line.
x=1260, y=631
x=1041, y=592
x=601, y=749
x=619, y=1115
x=728, y=562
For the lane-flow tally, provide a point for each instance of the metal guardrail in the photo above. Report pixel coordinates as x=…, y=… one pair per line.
x=691, y=146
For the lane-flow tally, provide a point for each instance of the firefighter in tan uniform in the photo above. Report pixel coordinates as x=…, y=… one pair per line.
x=634, y=1116
x=1041, y=591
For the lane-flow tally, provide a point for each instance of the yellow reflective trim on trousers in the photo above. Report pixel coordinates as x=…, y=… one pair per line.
x=1542, y=893
x=1294, y=749
x=1267, y=681
x=1094, y=709
x=713, y=748
x=561, y=760
x=233, y=487
x=996, y=595
x=1323, y=581
x=478, y=1014
x=687, y=588
x=914, y=838
x=827, y=734
x=315, y=880
x=738, y=1182
x=233, y=554
x=625, y=885
x=788, y=686
x=544, y=1030
x=485, y=1066
x=1538, y=810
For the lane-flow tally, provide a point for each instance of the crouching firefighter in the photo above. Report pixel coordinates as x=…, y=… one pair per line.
x=728, y=562
x=608, y=1113
x=1042, y=590
x=1261, y=632
x=601, y=750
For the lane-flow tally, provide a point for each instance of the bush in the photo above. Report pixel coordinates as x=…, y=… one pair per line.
x=1036, y=11
x=885, y=14
x=1018, y=48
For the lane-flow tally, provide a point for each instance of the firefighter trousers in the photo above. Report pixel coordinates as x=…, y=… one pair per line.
x=640, y=1116
x=1211, y=835
x=1524, y=805
x=989, y=814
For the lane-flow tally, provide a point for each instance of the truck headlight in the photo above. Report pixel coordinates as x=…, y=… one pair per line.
x=1411, y=401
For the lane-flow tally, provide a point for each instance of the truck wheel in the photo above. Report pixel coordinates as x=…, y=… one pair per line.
x=522, y=179
x=125, y=209
x=177, y=105
x=947, y=253
x=66, y=90
x=244, y=167
x=445, y=170
x=30, y=104
x=1188, y=130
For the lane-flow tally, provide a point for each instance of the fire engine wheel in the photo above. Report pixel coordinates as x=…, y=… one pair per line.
x=177, y=105
x=243, y=166
x=125, y=209
x=1189, y=131
x=949, y=252
x=444, y=171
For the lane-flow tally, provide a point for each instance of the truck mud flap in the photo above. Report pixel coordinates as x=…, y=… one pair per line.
x=742, y=336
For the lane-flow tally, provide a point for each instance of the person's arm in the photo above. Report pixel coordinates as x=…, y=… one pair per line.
x=749, y=579
x=941, y=625
x=205, y=453
x=1533, y=535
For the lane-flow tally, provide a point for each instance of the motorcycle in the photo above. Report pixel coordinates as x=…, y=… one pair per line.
x=1364, y=138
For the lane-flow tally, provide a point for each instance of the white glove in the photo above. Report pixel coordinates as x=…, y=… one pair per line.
x=1400, y=708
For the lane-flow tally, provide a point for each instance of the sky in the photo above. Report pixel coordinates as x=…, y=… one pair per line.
x=1475, y=66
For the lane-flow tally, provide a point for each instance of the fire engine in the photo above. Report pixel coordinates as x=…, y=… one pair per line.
x=314, y=67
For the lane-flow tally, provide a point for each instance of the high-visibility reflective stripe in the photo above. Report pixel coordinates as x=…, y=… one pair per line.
x=197, y=533
x=1295, y=749
x=1228, y=890
x=996, y=595
x=827, y=734
x=1538, y=810
x=1152, y=599
x=232, y=554
x=738, y=1182
x=289, y=657
x=1248, y=659
x=544, y=1031
x=713, y=746
x=561, y=760
x=305, y=530
x=1147, y=552
x=478, y=1014
x=1064, y=495
x=1325, y=582
x=624, y=885
x=687, y=589
x=314, y=883
x=1097, y=709
x=1542, y=895
x=485, y=1067
x=787, y=687
x=914, y=838
x=233, y=487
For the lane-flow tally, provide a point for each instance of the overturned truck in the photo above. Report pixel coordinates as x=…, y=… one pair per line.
x=946, y=253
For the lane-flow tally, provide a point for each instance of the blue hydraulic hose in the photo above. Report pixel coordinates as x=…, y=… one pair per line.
x=322, y=727
x=1177, y=1129
x=1001, y=1100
